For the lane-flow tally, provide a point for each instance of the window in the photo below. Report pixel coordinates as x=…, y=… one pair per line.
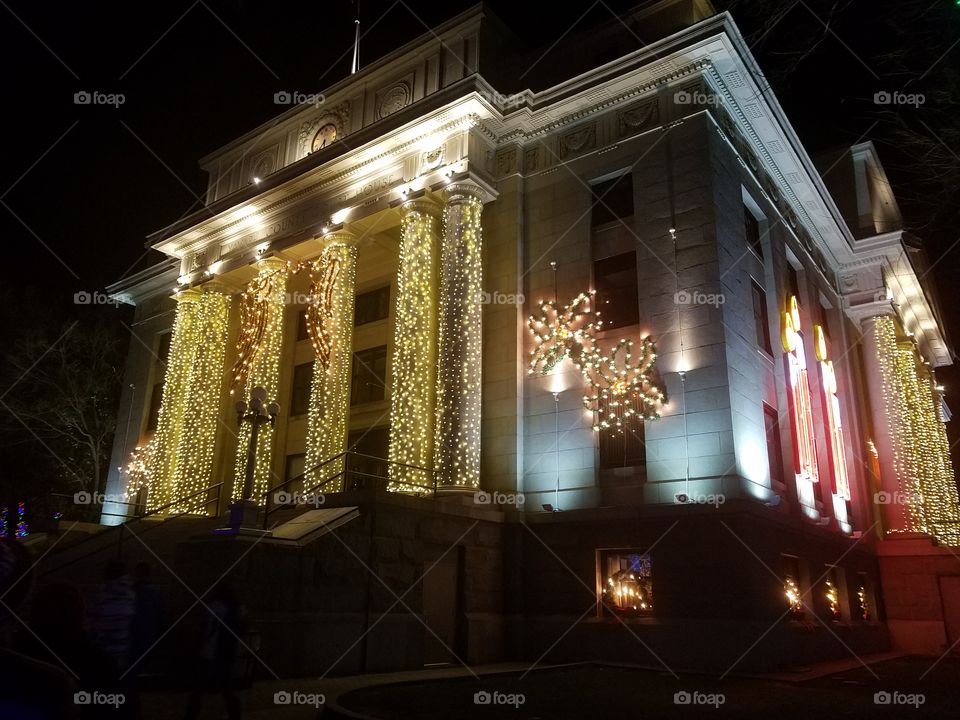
x=831, y=592
x=761, y=320
x=295, y=467
x=159, y=374
x=791, y=586
x=626, y=449
x=302, y=332
x=751, y=227
x=300, y=394
x=626, y=579
x=153, y=416
x=612, y=200
x=368, y=468
x=617, y=300
x=369, y=375
x=771, y=425
x=372, y=306
x=793, y=281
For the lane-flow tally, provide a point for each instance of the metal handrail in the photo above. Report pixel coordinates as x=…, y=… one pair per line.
x=124, y=525
x=268, y=509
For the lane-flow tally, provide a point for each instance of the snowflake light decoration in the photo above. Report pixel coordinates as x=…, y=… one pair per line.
x=562, y=333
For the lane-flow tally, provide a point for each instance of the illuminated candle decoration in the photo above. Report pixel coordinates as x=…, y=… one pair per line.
x=831, y=403
x=832, y=596
x=622, y=390
x=791, y=591
x=801, y=421
x=627, y=589
x=330, y=327
x=921, y=452
x=414, y=358
x=258, y=364
x=863, y=603
x=457, y=439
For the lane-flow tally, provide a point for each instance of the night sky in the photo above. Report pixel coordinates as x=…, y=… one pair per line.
x=82, y=186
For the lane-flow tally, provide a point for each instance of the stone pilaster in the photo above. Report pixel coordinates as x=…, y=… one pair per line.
x=414, y=360
x=330, y=321
x=457, y=435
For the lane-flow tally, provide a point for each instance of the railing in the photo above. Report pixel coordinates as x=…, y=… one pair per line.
x=124, y=526
x=350, y=475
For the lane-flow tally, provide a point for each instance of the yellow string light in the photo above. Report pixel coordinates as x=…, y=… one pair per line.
x=921, y=452
x=262, y=330
x=457, y=438
x=414, y=351
x=330, y=324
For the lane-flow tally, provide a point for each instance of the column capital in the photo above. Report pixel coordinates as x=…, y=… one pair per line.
x=340, y=236
x=425, y=204
x=217, y=286
x=187, y=295
x=862, y=313
x=465, y=191
x=270, y=263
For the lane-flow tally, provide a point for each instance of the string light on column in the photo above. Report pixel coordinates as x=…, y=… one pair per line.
x=457, y=438
x=414, y=350
x=193, y=470
x=173, y=399
x=921, y=452
x=330, y=327
x=258, y=362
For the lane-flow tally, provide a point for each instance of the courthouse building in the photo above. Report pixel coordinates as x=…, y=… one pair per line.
x=590, y=339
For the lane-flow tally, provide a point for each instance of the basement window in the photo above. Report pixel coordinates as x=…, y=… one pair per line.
x=626, y=578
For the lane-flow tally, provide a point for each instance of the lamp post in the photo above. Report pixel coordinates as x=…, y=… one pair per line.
x=257, y=413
